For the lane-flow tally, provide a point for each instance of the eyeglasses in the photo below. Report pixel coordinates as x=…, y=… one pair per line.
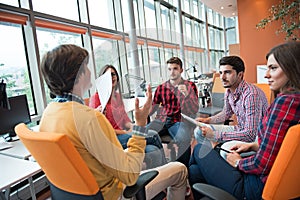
x=113, y=74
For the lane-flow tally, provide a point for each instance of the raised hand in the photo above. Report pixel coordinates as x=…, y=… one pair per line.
x=142, y=113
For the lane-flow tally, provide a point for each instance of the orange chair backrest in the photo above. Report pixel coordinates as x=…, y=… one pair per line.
x=86, y=101
x=218, y=86
x=59, y=159
x=266, y=89
x=283, y=181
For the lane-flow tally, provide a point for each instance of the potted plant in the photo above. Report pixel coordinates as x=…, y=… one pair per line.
x=287, y=11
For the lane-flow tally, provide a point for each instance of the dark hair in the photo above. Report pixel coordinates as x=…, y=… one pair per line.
x=287, y=56
x=175, y=60
x=61, y=66
x=105, y=68
x=236, y=62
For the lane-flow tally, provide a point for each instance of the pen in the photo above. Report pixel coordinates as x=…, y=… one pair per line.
x=227, y=151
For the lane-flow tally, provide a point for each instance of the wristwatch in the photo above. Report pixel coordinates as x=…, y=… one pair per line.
x=236, y=164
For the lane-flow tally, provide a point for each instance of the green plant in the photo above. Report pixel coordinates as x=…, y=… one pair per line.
x=287, y=11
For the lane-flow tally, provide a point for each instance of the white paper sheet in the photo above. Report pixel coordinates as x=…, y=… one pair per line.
x=192, y=120
x=104, y=87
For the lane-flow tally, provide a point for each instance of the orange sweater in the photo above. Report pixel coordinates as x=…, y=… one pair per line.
x=96, y=141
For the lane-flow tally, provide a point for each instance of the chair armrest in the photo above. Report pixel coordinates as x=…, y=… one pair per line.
x=143, y=180
x=213, y=192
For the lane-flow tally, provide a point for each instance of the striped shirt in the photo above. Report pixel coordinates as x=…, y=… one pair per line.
x=249, y=104
x=283, y=113
x=170, y=102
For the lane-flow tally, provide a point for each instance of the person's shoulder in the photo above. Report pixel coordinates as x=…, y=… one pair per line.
x=96, y=95
x=187, y=82
x=250, y=88
x=281, y=98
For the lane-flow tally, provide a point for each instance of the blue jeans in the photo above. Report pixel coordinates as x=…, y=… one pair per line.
x=181, y=134
x=207, y=166
x=154, y=154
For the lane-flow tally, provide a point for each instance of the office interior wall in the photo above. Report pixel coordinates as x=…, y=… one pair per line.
x=255, y=44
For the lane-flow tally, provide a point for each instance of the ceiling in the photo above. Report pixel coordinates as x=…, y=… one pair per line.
x=227, y=8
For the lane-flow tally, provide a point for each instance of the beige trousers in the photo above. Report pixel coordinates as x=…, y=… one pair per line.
x=173, y=177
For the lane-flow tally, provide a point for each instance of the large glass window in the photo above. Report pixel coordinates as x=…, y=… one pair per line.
x=154, y=62
x=102, y=13
x=165, y=18
x=13, y=63
x=10, y=2
x=106, y=52
x=66, y=8
x=188, y=31
x=50, y=19
x=150, y=19
x=186, y=6
x=195, y=9
x=48, y=39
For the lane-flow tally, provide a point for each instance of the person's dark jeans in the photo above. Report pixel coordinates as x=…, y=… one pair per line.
x=155, y=155
x=207, y=166
x=181, y=133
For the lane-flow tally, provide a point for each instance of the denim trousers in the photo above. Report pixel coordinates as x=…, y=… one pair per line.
x=207, y=166
x=181, y=133
x=154, y=154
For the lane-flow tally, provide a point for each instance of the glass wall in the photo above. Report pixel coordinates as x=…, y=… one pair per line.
x=103, y=28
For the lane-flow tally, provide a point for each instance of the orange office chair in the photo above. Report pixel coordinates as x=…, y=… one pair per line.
x=86, y=101
x=68, y=174
x=283, y=181
x=266, y=89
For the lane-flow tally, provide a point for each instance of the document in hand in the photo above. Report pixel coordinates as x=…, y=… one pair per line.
x=215, y=127
x=192, y=120
x=104, y=87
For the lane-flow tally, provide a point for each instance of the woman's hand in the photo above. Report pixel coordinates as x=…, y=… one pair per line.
x=141, y=114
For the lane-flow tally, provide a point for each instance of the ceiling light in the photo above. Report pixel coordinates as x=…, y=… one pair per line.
x=222, y=7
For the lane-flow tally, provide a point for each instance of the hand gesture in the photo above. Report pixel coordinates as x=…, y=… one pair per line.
x=183, y=89
x=208, y=132
x=141, y=114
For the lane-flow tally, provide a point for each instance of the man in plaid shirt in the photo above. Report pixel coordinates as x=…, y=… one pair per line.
x=245, y=100
x=172, y=98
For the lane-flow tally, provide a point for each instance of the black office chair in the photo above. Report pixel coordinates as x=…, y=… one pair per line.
x=217, y=99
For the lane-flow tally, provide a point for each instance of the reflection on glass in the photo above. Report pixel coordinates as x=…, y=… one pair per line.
x=13, y=64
